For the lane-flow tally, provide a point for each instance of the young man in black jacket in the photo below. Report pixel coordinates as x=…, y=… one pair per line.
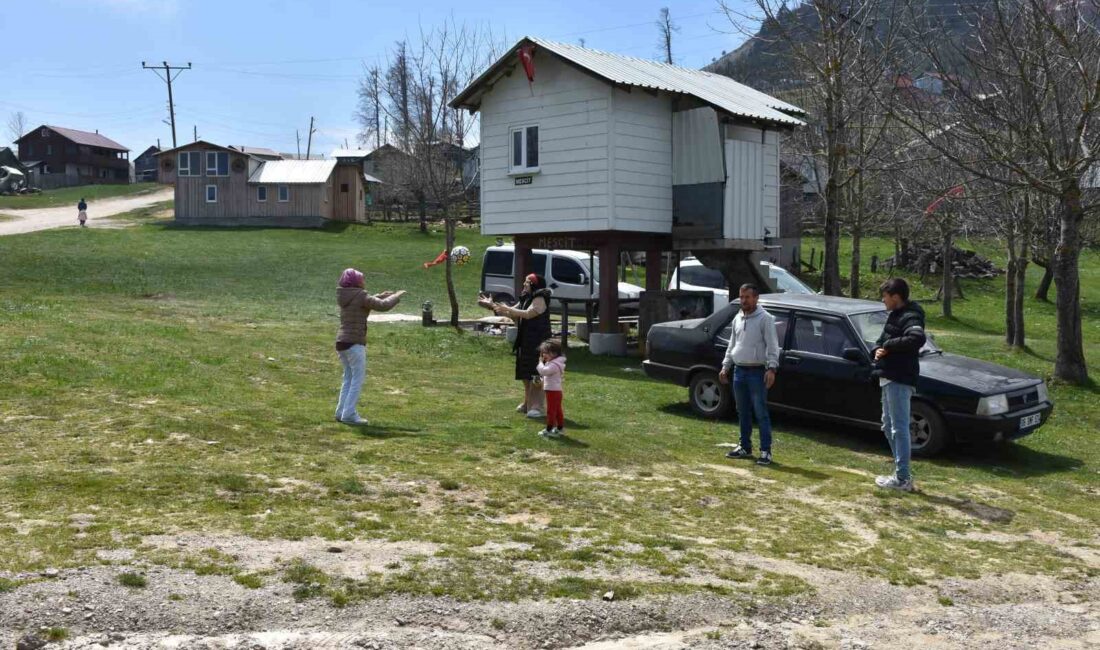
x=897, y=357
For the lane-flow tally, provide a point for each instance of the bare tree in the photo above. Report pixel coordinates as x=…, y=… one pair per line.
x=370, y=109
x=835, y=48
x=666, y=28
x=17, y=125
x=422, y=76
x=1025, y=88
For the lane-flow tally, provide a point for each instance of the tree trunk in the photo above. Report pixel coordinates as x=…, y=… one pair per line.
x=853, y=281
x=1019, y=340
x=948, y=288
x=1043, y=292
x=451, y=295
x=423, y=215
x=1069, y=365
x=1010, y=291
x=834, y=140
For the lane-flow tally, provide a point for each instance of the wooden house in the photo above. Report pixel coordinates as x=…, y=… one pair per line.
x=592, y=150
x=145, y=165
x=65, y=157
x=224, y=186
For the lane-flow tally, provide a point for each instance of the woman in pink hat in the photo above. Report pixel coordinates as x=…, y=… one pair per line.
x=351, y=340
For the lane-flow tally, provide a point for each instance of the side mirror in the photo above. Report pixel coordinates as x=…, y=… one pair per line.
x=853, y=354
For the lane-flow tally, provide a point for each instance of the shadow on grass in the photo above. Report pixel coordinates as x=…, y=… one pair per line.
x=997, y=459
x=798, y=471
x=383, y=432
x=628, y=368
x=988, y=513
x=566, y=441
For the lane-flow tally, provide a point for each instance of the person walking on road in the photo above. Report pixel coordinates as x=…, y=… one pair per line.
x=897, y=362
x=753, y=356
x=82, y=212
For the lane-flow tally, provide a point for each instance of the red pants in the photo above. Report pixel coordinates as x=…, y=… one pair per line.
x=554, y=415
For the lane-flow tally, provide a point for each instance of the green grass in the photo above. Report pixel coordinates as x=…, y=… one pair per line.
x=72, y=195
x=177, y=379
x=134, y=580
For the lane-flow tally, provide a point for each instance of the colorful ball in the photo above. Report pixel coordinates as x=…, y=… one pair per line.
x=460, y=255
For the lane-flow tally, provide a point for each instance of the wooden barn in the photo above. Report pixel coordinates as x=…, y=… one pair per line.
x=225, y=186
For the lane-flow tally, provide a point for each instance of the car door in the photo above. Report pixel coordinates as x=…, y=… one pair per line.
x=782, y=320
x=567, y=278
x=817, y=376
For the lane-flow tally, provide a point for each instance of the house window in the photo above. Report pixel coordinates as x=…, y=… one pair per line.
x=211, y=193
x=261, y=193
x=45, y=133
x=46, y=169
x=284, y=193
x=217, y=163
x=189, y=164
x=344, y=188
x=49, y=150
x=525, y=150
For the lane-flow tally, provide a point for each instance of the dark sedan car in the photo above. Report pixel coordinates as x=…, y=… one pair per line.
x=825, y=371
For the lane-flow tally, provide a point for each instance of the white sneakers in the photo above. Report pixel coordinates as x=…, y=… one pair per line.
x=535, y=414
x=357, y=420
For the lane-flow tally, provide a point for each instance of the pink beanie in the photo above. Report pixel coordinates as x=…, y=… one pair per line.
x=351, y=278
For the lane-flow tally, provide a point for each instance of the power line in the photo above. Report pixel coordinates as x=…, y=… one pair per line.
x=168, y=77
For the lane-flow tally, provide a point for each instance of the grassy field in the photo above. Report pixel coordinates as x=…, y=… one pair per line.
x=72, y=195
x=161, y=380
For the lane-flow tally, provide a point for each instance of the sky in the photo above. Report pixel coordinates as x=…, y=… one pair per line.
x=261, y=69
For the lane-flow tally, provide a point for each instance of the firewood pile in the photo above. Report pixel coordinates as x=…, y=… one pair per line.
x=928, y=259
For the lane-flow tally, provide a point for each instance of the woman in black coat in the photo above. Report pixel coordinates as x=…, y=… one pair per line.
x=532, y=316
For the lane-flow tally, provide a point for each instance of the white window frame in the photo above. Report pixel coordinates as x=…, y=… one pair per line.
x=523, y=169
x=207, y=193
x=262, y=188
x=186, y=155
x=281, y=191
x=213, y=171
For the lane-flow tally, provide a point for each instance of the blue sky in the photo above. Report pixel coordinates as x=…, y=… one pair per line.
x=260, y=69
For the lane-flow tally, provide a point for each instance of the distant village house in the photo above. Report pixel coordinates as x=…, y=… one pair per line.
x=61, y=157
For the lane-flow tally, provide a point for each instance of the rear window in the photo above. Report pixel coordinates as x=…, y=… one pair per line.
x=498, y=263
x=701, y=276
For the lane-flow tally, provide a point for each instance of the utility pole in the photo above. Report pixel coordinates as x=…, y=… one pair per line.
x=298, y=137
x=168, y=78
x=309, y=140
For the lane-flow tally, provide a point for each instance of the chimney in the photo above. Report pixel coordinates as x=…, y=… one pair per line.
x=97, y=131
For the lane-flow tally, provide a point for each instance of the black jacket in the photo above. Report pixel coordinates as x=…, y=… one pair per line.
x=532, y=332
x=902, y=339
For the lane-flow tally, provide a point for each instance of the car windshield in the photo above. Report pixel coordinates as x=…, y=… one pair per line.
x=869, y=325
x=785, y=281
x=701, y=276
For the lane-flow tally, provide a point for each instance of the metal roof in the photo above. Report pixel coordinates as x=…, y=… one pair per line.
x=83, y=137
x=719, y=91
x=371, y=179
x=292, y=172
x=350, y=153
x=259, y=152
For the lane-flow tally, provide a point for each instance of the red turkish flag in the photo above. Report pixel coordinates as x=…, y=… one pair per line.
x=527, y=58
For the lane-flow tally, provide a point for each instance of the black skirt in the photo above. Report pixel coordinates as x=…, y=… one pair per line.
x=526, y=361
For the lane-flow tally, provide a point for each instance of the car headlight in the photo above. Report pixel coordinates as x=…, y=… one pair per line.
x=993, y=405
x=1043, y=395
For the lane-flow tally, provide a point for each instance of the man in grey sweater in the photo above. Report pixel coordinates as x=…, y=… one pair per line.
x=753, y=355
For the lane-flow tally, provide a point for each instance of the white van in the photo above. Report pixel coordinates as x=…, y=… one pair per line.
x=566, y=272
x=694, y=276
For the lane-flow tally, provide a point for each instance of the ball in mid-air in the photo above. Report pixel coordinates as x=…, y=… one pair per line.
x=460, y=255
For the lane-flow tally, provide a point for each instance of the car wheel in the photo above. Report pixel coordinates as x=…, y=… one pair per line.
x=708, y=396
x=927, y=430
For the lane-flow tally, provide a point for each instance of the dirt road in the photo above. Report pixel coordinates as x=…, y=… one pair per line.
x=46, y=218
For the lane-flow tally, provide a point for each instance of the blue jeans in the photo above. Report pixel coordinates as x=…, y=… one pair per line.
x=752, y=397
x=354, y=360
x=895, y=424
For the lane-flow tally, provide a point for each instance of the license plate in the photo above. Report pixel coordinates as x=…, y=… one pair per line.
x=1029, y=421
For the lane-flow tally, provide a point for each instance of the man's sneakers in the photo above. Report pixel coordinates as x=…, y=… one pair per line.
x=765, y=458
x=357, y=420
x=739, y=452
x=892, y=483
